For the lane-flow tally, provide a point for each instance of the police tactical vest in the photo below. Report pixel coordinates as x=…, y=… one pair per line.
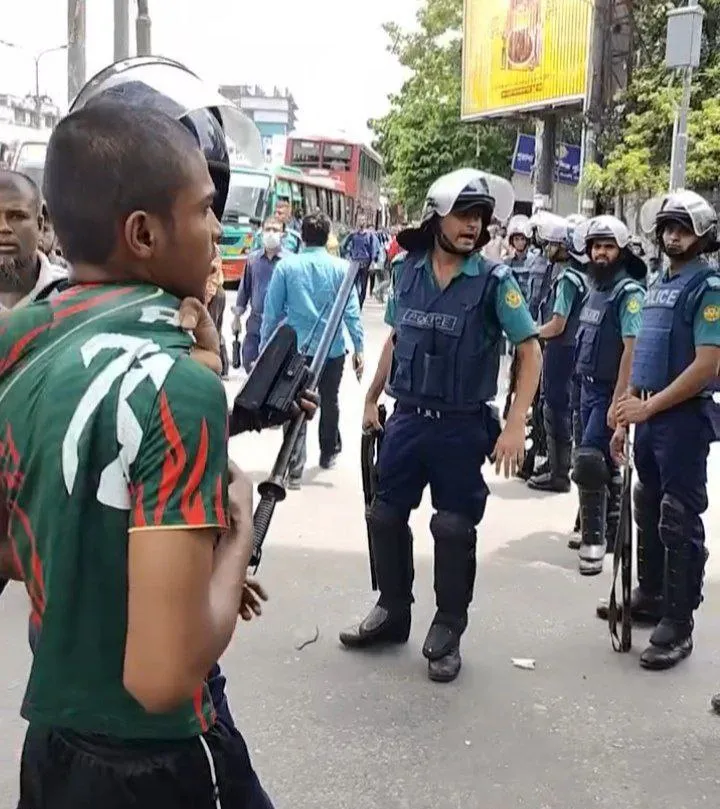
x=665, y=346
x=567, y=338
x=599, y=343
x=539, y=273
x=520, y=267
x=447, y=342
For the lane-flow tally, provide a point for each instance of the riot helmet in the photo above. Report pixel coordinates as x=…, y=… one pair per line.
x=613, y=229
x=687, y=209
x=224, y=134
x=519, y=226
x=461, y=190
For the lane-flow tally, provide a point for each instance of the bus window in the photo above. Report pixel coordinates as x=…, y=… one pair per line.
x=306, y=153
x=343, y=209
x=336, y=216
x=337, y=156
x=324, y=207
x=310, y=197
x=296, y=194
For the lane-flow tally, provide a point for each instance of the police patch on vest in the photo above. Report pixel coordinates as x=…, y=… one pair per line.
x=711, y=314
x=666, y=298
x=430, y=320
x=513, y=298
x=633, y=306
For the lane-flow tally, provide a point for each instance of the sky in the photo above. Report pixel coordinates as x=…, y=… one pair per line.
x=329, y=53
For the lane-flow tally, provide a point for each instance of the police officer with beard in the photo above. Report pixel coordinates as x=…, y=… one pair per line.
x=609, y=324
x=560, y=316
x=674, y=371
x=449, y=309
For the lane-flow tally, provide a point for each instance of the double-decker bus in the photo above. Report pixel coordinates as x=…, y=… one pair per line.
x=253, y=196
x=353, y=163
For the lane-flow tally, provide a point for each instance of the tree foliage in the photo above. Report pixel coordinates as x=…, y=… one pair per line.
x=422, y=136
x=636, y=140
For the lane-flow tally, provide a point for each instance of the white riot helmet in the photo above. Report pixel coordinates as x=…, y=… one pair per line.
x=610, y=227
x=685, y=208
x=549, y=228
x=460, y=190
x=519, y=226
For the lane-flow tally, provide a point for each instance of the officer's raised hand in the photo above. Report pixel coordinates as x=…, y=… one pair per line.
x=509, y=451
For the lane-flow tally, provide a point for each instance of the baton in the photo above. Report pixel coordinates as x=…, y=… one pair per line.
x=622, y=562
x=272, y=491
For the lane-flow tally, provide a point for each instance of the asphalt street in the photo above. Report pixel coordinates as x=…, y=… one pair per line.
x=333, y=729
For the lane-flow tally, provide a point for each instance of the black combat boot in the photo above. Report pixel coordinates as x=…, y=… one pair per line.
x=575, y=541
x=615, y=490
x=389, y=620
x=455, y=568
x=593, y=511
x=559, y=444
x=646, y=603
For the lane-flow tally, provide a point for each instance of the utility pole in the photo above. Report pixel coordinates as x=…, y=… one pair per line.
x=682, y=50
x=76, y=47
x=143, y=29
x=122, y=29
x=545, y=153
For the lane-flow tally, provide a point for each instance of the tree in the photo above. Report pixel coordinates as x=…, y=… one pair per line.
x=422, y=136
x=637, y=136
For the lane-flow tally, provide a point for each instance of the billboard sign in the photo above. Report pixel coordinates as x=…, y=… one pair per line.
x=567, y=161
x=523, y=55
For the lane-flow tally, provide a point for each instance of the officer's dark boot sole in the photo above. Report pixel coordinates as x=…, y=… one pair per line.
x=554, y=486
x=587, y=567
x=662, y=658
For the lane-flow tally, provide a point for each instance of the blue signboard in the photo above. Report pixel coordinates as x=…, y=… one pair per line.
x=567, y=164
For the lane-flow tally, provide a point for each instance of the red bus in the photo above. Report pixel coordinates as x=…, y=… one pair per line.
x=354, y=164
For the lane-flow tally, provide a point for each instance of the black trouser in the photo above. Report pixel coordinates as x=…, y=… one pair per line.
x=329, y=390
x=216, y=308
x=361, y=281
x=62, y=770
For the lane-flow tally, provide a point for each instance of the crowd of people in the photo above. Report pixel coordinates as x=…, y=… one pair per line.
x=114, y=424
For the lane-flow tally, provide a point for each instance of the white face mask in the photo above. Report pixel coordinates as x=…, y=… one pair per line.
x=271, y=239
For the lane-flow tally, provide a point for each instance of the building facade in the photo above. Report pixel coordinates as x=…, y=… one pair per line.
x=274, y=113
x=22, y=118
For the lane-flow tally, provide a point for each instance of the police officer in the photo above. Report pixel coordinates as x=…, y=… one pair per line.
x=521, y=254
x=560, y=316
x=675, y=368
x=609, y=323
x=448, y=312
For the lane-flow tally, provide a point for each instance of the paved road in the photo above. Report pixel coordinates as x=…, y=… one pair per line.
x=332, y=729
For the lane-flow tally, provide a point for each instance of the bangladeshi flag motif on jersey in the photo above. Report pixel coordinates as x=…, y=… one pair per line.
x=106, y=426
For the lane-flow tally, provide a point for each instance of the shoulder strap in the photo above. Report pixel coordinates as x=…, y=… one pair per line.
x=624, y=287
x=58, y=285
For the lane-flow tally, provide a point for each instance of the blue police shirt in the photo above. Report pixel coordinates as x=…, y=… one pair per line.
x=301, y=287
x=362, y=246
x=510, y=307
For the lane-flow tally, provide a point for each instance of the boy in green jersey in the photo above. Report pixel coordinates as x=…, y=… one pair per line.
x=114, y=483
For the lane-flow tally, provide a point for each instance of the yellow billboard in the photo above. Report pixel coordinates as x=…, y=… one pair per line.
x=522, y=55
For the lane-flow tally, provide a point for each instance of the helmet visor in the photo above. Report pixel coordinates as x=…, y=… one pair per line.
x=171, y=88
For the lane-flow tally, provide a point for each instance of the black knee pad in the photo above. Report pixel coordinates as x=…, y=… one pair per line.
x=383, y=516
x=673, y=523
x=590, y=469
x=448, y=527
x=646, y=506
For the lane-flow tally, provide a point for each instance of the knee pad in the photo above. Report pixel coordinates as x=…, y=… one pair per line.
x=590, y=469
x=382, y=516
x=448, y=527
x=646, y=505
x=673, y=522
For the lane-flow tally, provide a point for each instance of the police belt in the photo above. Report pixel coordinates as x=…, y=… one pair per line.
x=436, y=415
x=644, y=395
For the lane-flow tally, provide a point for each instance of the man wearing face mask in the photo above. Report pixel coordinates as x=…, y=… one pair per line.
x=448, y=312
x=609, y=324
x=674, y=373
x=253, y=289
x=560, y=316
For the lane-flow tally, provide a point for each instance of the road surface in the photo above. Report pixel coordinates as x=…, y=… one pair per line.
x=333, y=729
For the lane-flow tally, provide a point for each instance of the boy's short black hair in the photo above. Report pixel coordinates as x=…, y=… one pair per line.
x=315, y=229
x=17, y=181
x=106, y=161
